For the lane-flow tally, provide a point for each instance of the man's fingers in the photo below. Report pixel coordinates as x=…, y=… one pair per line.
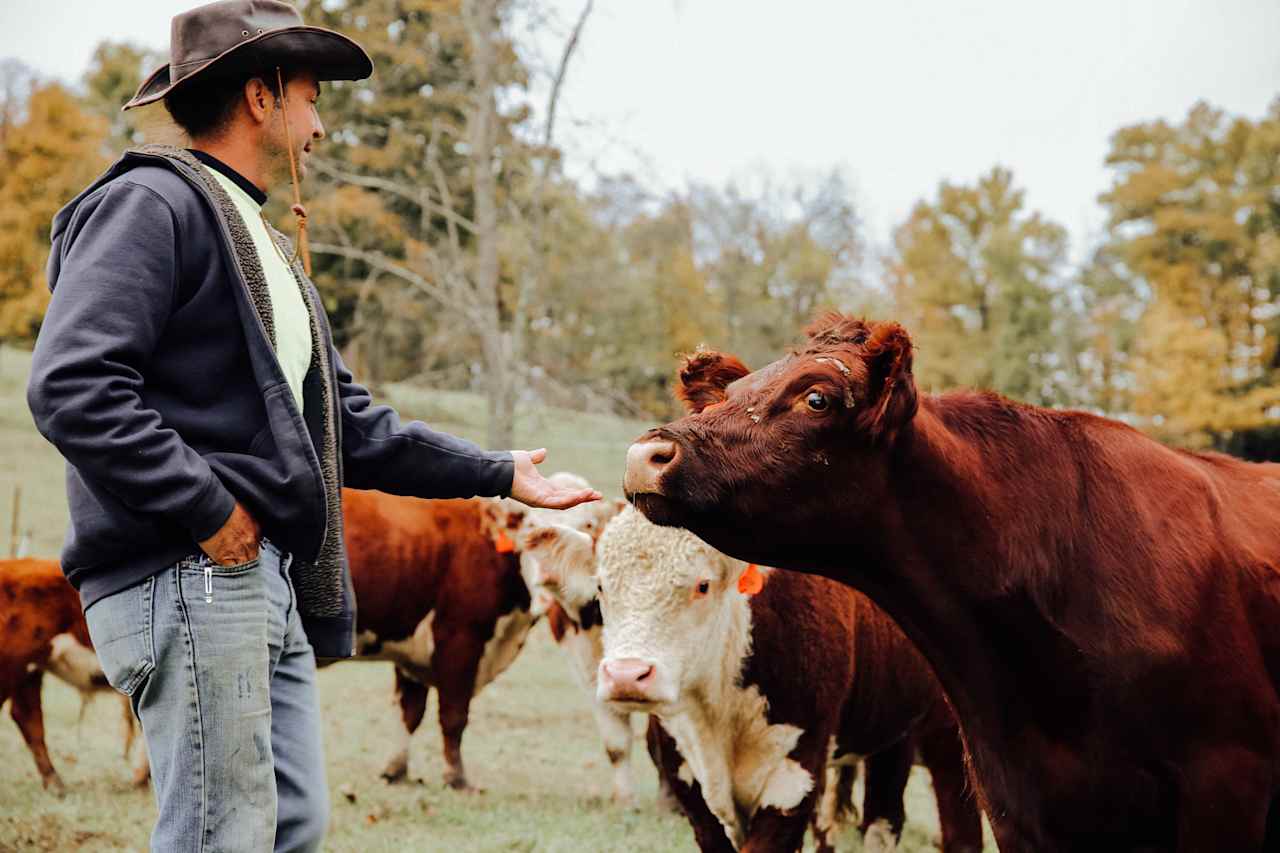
x=565, y=500
x=536, y=456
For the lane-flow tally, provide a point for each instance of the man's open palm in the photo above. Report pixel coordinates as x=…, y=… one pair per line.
x=530, y=487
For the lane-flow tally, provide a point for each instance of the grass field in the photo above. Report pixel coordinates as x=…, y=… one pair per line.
x=531, y=746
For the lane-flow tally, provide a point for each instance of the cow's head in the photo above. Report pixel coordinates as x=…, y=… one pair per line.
x=676, y=624
x=558, y=563
x=764, y=454
x=556, y=547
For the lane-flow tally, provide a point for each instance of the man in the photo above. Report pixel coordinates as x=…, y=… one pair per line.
x=185, y=370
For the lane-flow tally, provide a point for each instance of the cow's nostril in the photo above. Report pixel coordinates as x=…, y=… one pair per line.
x=661, y=453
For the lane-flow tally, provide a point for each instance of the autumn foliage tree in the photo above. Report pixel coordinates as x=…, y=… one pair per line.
x=48, y=155
x=1195, y=216
x=982, y=283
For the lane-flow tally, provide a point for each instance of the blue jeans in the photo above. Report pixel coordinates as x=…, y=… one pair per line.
x=222, y=677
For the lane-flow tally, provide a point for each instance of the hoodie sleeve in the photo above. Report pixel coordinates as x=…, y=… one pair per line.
x=116, y=279
x=380, y=452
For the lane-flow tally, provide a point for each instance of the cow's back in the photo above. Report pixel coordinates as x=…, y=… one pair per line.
x=36, y=603
x=411, y=557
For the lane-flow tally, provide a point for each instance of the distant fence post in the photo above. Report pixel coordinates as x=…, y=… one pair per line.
x=17, y=514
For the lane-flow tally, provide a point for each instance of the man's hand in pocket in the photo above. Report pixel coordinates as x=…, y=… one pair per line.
x=236, y=541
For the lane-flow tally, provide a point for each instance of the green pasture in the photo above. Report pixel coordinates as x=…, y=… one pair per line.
x=531, y=747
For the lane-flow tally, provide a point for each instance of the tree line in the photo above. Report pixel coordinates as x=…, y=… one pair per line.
x=452, y=249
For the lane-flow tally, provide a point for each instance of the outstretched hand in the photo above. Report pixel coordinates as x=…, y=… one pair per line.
x=530, y=487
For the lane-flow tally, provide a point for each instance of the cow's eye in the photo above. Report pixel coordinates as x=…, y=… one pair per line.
x=704, y=587
x=816, y=401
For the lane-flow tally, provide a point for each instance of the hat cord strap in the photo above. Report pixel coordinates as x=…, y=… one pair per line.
x=298, y=210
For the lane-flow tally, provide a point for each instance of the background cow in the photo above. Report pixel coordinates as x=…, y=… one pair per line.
x=441, y=599
x=558, y=561
x=1101, y=609
x=76, y=664
x=762, y=684
x=36, y=605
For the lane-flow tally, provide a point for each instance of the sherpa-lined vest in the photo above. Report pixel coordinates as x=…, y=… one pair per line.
x=322, y=585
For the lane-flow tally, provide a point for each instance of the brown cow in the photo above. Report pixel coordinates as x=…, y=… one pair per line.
x=36, y=605
x=1103, y=611
x=762, y=685
x=439, y=600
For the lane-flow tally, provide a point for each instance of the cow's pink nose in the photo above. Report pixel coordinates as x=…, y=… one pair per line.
x=627, y=678
x=646, y=460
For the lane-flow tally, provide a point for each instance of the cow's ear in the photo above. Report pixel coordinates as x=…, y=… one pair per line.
x=891, y=399
x=704, y=376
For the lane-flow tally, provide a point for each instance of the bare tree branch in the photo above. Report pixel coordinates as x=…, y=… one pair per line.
x=419, y=197
x=569, y=47
x=447, y=297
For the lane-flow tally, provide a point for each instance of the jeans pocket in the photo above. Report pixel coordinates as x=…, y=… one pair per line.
x=204, y=562
x=120, y=627
x=247, y=565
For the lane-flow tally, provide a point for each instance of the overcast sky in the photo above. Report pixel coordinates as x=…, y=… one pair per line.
x=901, y=93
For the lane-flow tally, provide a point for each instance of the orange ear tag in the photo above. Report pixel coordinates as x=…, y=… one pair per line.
x=504, y=545
x=750, y=581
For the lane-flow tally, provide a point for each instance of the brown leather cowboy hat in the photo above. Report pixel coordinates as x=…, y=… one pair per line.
x=243, y=36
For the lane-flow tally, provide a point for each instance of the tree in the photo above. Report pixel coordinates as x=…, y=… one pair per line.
x=982, y=284
x=1194, y=215
x=115, y=72
x=45, y=159
x=440, y=153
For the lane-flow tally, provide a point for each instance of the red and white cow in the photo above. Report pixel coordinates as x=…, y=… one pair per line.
x=77, y=664
x=441, y=599
x=42, y=629
x=765, y=682
x=557, y=559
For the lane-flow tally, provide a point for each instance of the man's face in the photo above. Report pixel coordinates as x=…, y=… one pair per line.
x=305, y=127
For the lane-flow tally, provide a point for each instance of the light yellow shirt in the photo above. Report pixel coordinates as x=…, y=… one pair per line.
x=292, y=322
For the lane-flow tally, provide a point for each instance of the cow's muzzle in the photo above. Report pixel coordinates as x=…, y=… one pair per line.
x=627, y=680
x=647, y=461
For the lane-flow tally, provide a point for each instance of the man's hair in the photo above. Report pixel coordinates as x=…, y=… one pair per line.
x=204, y=107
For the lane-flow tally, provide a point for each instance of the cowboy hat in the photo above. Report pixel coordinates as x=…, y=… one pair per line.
x=243, y=36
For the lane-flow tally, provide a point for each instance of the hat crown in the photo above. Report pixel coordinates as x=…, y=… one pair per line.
x=208, y=31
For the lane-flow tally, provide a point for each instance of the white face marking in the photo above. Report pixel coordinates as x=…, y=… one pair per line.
x=560, y=571
x=559, y=562
x=672, y=601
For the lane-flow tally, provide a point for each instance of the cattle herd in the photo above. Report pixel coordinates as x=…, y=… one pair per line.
x=1074, y=628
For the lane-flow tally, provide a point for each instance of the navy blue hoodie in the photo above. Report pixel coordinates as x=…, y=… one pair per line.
x=155, y=377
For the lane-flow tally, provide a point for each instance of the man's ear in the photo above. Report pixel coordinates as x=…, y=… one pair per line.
x=259, y=98
x=892, y=400
x=704, y=376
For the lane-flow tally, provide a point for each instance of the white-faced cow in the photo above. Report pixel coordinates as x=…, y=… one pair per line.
x=763, y=683
x=557, y=558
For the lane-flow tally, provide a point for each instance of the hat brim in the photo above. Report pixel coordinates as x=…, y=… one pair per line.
x=327, y=54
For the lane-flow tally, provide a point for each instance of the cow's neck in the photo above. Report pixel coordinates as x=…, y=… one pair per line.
x=971, y=595
x=738, y=757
